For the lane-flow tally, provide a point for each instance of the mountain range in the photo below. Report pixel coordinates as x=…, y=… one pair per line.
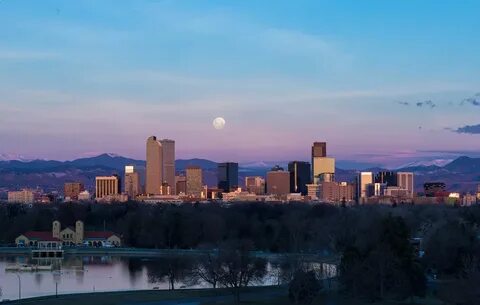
x=461, y=174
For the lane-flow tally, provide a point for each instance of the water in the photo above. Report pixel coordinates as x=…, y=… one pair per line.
x=80, y=274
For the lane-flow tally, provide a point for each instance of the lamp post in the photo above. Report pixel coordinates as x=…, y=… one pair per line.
x=19, y=286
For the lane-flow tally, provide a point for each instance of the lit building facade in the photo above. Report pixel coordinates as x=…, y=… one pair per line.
x=154, y=167
x=106, y=186
x=23, y=196
x=194, y=181
x=278, y=182
x=255, y=185
x=405, y=181
x=168, y=163
x=132, y=182
x=363, y=180
x=71, y=190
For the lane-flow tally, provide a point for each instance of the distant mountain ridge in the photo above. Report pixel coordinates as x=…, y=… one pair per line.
x=461, y=174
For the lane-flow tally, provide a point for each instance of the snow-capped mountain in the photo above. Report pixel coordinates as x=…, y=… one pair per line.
x=13, y=157
x=435, y=162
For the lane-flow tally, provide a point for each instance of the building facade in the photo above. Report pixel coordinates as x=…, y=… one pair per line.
x=194, y=181
x=168, y=164
x=336, y=192
x=227, y=174
x=24, y=196
x=299, y=176
x=107, y=186
x=278, y=182
x=71, y=190
x=132, y=182
x=405, y=181
x=363, y=180
x=154, y=166
x=255, y=185
x=181, y=185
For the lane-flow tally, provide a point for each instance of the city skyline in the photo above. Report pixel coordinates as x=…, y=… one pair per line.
x=170, y=68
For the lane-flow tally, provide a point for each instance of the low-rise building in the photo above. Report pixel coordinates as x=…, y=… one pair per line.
x=69, y=236
x=24, y=196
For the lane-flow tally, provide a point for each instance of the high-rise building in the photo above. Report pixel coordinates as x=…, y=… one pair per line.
x=363, y=180
x=335, y=192
x=227, y=174
x=71, y=190
x=299, y=176
x=434, y=189
x=168, y=159
x=323, y=168
x=278, y=181
x=154, y=168
x=181, y=185
x=107, y=186
x=194, y=181
x=405, y=181
x=255, y=185
x=23, y=196
x=132, y=182
x=390, y=178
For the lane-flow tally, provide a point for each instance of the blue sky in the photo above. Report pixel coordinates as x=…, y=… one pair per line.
x=84, y=77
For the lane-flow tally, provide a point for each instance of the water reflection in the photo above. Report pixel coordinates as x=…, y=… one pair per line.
x=113, y=273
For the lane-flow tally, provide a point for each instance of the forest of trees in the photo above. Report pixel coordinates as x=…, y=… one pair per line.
x=373, y=243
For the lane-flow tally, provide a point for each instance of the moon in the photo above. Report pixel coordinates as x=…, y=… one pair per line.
x=219, y=123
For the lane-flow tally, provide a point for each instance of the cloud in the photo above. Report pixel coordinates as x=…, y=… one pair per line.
x=428, y=103
x=474, y=100
x=403, y=103
x=469, y=129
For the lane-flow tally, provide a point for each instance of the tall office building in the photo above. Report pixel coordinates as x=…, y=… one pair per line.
x=323, y=168
x=278, y=181
x=386, y=177
x=106, y=186
x=168, y=159
x=23, y=196
x=72, y=190
x=194, y=181
x=255, y=185
x=299, y=176
x=181, y=185
x=132, y=182
x=405, y=181
x=154, y=168
x=363, y=180
x=227, y=174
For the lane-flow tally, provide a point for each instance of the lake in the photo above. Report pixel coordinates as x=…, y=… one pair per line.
x=80, y=274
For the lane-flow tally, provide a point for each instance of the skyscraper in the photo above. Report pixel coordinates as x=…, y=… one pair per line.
x=73, y=189
x=278, y=181
x=363, y=180
x=390, y=178
x=323, y=168
x=299, y=176
x=227, y=174
x=132, y=182
x=194, y=181
x=106, y=186
x=168, y=158
x=154, y=168
x=405, y=181
x=255, y=185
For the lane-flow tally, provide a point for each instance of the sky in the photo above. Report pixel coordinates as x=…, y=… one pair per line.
x=380, y=81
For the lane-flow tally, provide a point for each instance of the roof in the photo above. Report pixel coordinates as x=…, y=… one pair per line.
x=40, y=236
x=98, y=234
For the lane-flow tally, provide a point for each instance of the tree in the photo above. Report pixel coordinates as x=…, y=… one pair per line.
x=239, y=268
x=209, y=269
x=304, y=287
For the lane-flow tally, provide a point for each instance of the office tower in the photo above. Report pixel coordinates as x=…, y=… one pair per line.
x=23, y=196
x=390, y=178
x=278, y=181
x=363, y=180
x=154, y=168
x=194, y=181
x=376, y=189
x=323, y=168
x=181, y=185
x=255, y=185
x=405, y=181
x=168, y=158
x=433, y=189
x=299, y=176
x=132, y=182
x=227, y=174
x=106, y=186
x=72, y=190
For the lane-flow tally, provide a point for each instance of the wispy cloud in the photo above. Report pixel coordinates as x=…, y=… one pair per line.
x=428, y=103
x=469, y=129
x=474, y=100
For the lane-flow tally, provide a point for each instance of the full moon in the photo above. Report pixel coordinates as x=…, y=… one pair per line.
x=219, y=123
